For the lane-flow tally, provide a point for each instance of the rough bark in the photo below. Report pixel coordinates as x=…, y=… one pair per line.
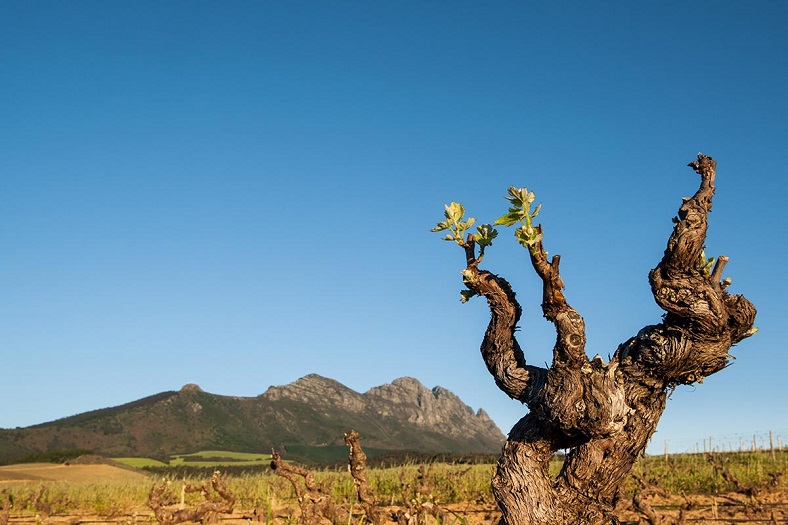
x=603, y=412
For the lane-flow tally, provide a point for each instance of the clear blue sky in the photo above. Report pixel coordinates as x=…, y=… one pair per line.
x=237, y=194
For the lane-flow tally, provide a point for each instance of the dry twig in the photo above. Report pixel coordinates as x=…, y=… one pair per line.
x=314, y=501
x=357, y=464
x=5, y=508
x=204, y=513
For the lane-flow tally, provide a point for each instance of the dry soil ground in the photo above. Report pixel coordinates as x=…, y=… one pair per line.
x=47, y=472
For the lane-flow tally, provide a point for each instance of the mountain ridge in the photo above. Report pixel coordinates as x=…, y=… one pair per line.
x=311, y=412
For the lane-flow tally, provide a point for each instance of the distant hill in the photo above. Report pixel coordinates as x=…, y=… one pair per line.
x=307, y=417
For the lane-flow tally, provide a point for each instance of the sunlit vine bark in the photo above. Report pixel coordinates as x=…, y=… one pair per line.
x=603, y=412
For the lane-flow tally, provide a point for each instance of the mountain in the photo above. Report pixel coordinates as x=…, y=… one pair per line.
x=303, y=417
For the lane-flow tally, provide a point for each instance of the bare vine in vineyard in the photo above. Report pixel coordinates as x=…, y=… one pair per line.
x=217, y=500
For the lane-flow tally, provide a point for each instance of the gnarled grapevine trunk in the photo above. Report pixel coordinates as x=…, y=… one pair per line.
x=603, y=412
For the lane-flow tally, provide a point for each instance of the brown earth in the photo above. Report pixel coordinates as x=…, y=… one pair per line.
x=68, y=473
x=727, y=508
x=720, y=509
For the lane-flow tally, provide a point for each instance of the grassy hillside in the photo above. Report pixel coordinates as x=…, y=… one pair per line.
x=307, y=418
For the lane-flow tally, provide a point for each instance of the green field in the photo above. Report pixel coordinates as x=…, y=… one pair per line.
x=203, y=458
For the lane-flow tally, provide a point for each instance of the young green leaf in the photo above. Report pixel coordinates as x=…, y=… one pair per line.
x=454, y=211
x=454, y=222
x=520, y=212
x=528, y=236
x=508, y=219
x=466, y=295
x=484, y=235
x=440, y=227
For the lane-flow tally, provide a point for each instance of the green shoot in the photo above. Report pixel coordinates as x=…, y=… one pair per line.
x=484, y=237
x=454, y=223
x=705, y=265
x=467, y=295
x=457, y=225
x=520, y=212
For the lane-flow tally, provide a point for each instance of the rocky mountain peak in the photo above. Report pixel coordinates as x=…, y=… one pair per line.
x=484, y=416
x=405, y=398
x=316, y=391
